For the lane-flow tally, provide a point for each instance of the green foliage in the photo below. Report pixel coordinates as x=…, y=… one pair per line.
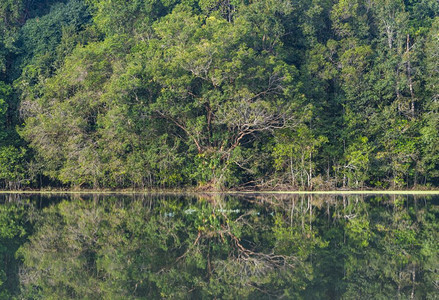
x=40, y=37
x=12, y=163
x=429, y=132
x=220, y=94
x=120, y=17
x=358, y=162
x=11, y=12
x=294, y=153
x=5, y=92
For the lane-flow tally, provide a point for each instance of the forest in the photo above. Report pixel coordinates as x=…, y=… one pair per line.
x=219, y=94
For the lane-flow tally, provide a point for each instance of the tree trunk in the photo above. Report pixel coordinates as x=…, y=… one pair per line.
x=409, y=76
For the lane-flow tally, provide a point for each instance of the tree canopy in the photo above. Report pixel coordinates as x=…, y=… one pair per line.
x=266, y=94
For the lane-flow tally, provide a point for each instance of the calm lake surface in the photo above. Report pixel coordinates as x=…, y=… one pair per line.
x=219, y=246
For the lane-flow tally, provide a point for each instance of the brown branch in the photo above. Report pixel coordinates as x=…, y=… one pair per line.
x=183, y=128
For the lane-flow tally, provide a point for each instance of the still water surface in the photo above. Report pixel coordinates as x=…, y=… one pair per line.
x=219, y=246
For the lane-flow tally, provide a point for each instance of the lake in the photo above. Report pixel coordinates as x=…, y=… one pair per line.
x=219, y=246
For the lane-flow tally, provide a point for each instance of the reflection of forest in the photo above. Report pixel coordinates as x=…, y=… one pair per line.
x=212, y=246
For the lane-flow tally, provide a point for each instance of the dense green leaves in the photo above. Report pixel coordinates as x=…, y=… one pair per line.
x=219, y=94
x=40, y=37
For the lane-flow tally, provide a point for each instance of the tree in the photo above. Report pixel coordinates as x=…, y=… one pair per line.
x=205, y=93
x=294, y=154
x=356, y=168
x=430, y=137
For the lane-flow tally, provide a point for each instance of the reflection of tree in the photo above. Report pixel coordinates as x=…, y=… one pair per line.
x=368, y=247
x=111, y=249
x=13, y=227
x=252, y=247
x=382, y=248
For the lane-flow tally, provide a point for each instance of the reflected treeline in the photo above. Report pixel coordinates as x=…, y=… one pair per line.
x=219, y=246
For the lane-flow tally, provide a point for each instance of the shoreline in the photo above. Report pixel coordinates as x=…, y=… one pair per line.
x=230, y=192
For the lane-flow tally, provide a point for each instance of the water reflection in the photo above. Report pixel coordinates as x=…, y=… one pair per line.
x=219, y=246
